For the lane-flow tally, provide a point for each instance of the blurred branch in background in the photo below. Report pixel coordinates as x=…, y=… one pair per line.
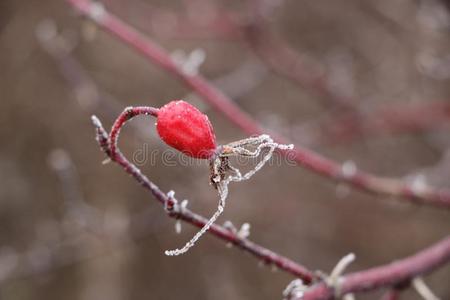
x=82, y=231
x=285, y=61
x=389, y=275
x=330, y=130
x=200, y=20
x=304, y=157
x=347, y=121
x=362, y=82
x=59, y=45
x=386, y=119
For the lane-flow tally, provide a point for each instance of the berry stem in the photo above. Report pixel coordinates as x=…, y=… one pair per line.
x=127, y=114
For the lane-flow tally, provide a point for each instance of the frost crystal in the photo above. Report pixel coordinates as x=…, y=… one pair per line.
x=96, y=11
x=221, y=181
x=178, y=226
x=244, y=232
x=349, y=168
x=295, y=289
x=335, y=279
x=419, y=184
x=189, y=62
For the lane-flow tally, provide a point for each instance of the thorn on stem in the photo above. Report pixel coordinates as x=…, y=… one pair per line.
x=335, y=279
x=96, y=11
x=294, y=290
x=423, y=290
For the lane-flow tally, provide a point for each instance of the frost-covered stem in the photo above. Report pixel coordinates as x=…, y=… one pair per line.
x=423, y=290
x=236, y=148
x=263, y=254
x=303, y=156
x=127, y=114
x=390, y=275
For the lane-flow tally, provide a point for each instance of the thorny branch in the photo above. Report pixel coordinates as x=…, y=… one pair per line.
x=384, y=276
x=303, y=156
x=388, y=275
x=175, y=211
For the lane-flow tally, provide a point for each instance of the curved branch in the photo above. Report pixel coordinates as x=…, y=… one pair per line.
x=108, y=144
x=127, y=114
x=348, y=121
x=389, y=275
x=303, y=156
x=385, y=119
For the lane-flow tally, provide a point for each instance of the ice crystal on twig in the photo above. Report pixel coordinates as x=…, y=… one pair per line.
x=423, y=289
x=334, y=280
x=189, y=62
x=294, y=290
x=220, y=166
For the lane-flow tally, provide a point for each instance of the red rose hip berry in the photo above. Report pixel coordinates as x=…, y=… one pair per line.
x=185, y=128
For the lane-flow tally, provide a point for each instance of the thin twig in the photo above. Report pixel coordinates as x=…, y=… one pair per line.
x=267, y=256
x=389, y=275
x=304, y=157
x=390, y=118
x=423, y=290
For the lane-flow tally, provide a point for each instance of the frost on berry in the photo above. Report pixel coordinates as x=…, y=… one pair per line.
x=185, y=128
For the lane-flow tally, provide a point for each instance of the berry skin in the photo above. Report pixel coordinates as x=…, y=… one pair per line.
x=185, y=128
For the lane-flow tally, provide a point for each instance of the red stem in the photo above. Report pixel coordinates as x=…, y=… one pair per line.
x=229, y=109
x=350, y=123
x=108, y=144
x=345, y=124
x=126, y=115
x=388, y=275
x=389, y=118
x=288, y=63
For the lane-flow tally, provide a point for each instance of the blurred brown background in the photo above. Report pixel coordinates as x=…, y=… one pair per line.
x=73, y=228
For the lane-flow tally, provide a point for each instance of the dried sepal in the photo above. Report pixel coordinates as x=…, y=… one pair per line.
x=220, y=166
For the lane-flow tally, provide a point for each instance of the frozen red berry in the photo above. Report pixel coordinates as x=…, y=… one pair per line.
x=185, y=128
